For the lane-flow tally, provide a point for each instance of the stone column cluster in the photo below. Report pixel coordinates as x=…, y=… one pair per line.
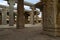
x=11, y=13
x=32, y=15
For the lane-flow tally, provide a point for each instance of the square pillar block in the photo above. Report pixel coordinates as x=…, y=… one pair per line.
x=50, y=26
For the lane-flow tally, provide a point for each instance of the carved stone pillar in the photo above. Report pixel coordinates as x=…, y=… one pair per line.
x=32, y=15
x=11, y=12
x=49, y=17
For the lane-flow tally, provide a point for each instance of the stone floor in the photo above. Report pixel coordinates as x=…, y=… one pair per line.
x=28, y=33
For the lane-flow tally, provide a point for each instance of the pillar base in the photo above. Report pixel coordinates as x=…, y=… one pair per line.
x=20, y=27
x=54, y=32
x=11, y=25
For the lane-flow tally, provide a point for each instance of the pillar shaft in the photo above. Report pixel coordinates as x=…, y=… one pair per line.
x=49, y=17
x=36, y=17
x=20, y=14
x=58, y=19
x=32, y=15
x=11, y=12
x=4, y=16
x=32, y=18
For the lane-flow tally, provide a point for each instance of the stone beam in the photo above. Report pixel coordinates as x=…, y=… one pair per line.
x=3, y=6
x=25, y=3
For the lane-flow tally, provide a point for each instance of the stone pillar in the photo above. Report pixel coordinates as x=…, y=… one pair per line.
x=4, y=16
x=32, y=15
x=20, y=14
x=32, y=18
x=36, y=17
x=11, y=12
x=49, y=17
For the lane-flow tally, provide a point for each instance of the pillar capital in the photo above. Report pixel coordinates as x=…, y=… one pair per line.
x=32, y=7
x=37, y=12
x=12, y=2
